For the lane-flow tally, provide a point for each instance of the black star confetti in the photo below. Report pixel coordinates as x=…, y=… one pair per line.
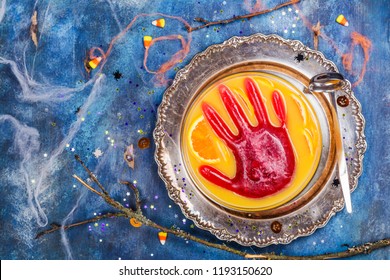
x=299, y=57
x=117, y=75
x=336, y=182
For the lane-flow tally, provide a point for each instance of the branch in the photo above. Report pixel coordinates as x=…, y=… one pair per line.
x=353, y=251
x=91, y=175
x=54, y=227
x=316, y=33
x=248, y=16
x=365, y=248
x=86, y=185
x=137, y=195
x=138, y=215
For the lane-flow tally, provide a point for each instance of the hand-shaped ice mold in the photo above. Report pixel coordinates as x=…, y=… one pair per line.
x=264, y=154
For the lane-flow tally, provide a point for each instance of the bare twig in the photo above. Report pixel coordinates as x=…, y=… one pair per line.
x=86, y=185
x=137, y=195
x=34, y=28
x=316, y=33
x=138, y=215
x=54, y=227
x=350, y=252
x=91, y=175
x=199, y=19
x=247, y=16
x=353, y=251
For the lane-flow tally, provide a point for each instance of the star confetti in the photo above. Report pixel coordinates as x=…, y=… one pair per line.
x=98, y=153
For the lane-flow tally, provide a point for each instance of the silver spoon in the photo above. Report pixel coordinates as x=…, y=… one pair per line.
x=329, y=83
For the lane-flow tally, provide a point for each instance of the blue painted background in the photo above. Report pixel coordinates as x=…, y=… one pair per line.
x=41, y=89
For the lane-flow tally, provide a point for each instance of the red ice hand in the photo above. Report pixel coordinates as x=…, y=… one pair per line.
x=264, y=154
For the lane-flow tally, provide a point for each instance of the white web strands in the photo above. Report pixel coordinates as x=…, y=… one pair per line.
x=33, y=91
x=2, y=9
x=27, y=143
x=66, y=220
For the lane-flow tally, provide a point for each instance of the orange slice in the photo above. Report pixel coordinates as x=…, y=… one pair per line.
x=135, y=223
x=203, y=141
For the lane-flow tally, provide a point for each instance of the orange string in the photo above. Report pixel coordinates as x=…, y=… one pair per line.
x=160, y=73
x=176, y=58
x=362, y=41
x=347, y=58
x=258, y=6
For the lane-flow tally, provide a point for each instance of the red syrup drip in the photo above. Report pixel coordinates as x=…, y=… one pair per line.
x=264, y=154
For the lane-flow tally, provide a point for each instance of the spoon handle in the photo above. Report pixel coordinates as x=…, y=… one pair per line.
x=329, y=83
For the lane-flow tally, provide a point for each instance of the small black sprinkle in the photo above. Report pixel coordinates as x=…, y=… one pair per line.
x=117, y=75
x=299, y=57
x=336, y=182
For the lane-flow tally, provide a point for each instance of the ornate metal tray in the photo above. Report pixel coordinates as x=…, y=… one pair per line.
x=320, y=199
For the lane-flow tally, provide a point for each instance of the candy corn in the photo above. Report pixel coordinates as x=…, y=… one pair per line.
x=95, y=62
x=342, y=20
x=147, y=41
x=162, y=236
x=159, y=22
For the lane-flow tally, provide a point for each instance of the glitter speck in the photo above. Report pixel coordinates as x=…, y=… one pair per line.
x=96, y=224
x=170, y=206
x=296, y=11
x=285, y=31
x=72, y=149
x=100, y=240
x=151, y=206
x=314, y=243
x=283, y=13
x=106, y=132
x=135, y=182
x=124, y=199
x=128, y=193
x=152, y=255
x=289, y=9
x=67, y=145
x=74, y=186
x=294, y=25
x=45, y=154
x=33, y=181
x=97, y=153
x=94, y=214
x=322, y=241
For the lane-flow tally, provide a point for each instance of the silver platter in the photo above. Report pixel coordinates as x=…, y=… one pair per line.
x=321, y=198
